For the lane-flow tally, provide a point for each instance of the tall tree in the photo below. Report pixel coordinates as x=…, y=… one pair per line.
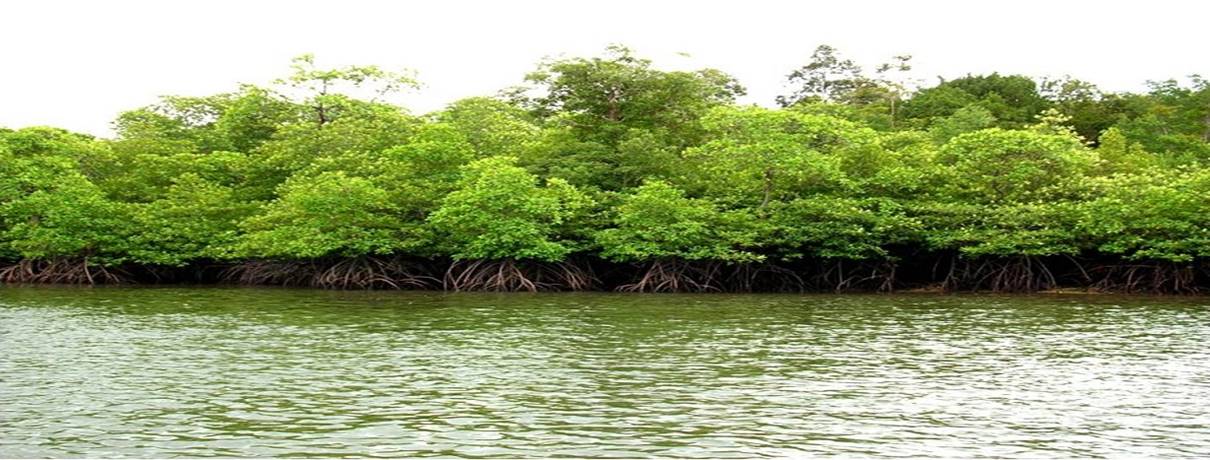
x=603, y=97
x=1013, y=99
x=330, y=92
x=592, y=107
x=827, y=77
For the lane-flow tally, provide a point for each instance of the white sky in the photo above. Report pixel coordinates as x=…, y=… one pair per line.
x=77, y=64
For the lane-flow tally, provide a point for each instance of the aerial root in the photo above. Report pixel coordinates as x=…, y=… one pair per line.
x=512, y=276
x=1017, y=274
x=62, y=271
x=264, y=272
x=1159, y=278
x=844, y=276
x=351, y=273
x=677, y=276
x=763, y=277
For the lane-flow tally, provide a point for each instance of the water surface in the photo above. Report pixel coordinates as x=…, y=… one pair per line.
x=161, y=372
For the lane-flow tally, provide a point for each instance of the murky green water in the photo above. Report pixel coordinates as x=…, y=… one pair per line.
x=262, y=372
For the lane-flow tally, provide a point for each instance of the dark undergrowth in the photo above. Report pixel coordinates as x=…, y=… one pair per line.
x=921, y=272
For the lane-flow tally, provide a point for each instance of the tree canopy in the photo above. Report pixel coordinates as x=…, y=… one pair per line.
x=989, y=180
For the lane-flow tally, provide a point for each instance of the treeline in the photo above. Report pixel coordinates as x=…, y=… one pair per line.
x=607, y=173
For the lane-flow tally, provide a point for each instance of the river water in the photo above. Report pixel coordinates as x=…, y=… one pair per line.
x=162, y=372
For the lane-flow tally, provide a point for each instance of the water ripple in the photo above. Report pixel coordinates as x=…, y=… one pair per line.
x=297, y=373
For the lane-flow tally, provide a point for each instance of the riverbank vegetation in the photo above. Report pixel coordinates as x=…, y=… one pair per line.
x=609, y=173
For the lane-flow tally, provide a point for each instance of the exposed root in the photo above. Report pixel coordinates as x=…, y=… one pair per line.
x=61, y=271
x=1017, y=274
x=950, y=273
x=1159, y=278
x=352, y=273
x=511, y=276
x=677, y=276
x=763, y=277
x=885, y=274
x=370, y=273
x=843, y=276
x=259, y=272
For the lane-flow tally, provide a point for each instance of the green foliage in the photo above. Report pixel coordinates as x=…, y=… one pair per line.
x=493, y=127
x=1152, y=215
x=831, y=85
x=967, y=119
x=501, y=211
x=614, y=158
x=1089, y=110
x=1005, y=193
x=33, y=159
x=353, y=138
x=836, y=227
x=69, y=218
x=639, y=155
x=141, y=178
x=827, y=77
x=232, y=121
x=1013, y=100
x=606, y=116
x=196, y=219
x=602, y=98
x=998, y=166
x=1172, y=120
x=418, y=175
x=330, y=94
x=1119, y=155
x=657, y=221
x=329, y=214
x=1029, y=229
x=756, y=156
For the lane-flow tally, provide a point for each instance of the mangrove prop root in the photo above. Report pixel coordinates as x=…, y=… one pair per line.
x=61, y=271
x=842, y=276
x=677, y=276
x=1159, y=278
x=369, y=273
x=512, y=276
x=269, y=273
x=1017, y=274
x=764, y=277
x=951, y=273
x=885, y=274
x=351, y=273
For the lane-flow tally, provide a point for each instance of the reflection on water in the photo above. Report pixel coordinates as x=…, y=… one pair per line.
x=157, y=372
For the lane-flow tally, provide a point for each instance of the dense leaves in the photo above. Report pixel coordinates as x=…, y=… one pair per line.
x=616, y=161
x=657, y=221
x=330, y=214
x=500, y=211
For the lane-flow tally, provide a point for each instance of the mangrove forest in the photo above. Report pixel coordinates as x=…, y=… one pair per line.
x=610, y=173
